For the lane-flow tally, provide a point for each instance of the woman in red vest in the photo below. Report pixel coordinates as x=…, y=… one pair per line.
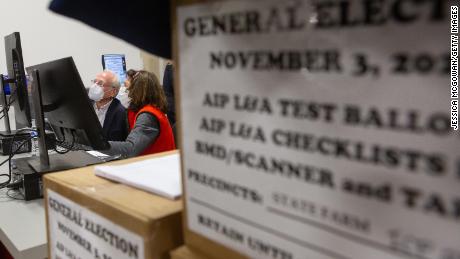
x=150, y=131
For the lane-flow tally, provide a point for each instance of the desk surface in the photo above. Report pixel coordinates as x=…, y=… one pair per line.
x=22, y=224
x=23, y=227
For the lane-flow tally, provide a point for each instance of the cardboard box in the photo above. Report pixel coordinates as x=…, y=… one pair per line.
x=185, y=252
x=291, y=214
x=91, y=216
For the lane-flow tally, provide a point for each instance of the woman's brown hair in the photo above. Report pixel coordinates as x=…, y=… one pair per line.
x=146, y=89
x=130, y=74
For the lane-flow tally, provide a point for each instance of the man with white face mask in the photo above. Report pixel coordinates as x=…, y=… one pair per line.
x=110, y=112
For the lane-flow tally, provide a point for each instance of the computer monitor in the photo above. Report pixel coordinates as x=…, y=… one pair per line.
x=115, y=63
x=17, y=81
x=59, y=94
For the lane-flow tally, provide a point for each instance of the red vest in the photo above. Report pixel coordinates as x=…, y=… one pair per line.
x=165, y=139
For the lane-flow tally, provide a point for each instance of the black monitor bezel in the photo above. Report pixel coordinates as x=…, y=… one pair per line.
x=66, y=104
x=19, y=94
x=123, y=58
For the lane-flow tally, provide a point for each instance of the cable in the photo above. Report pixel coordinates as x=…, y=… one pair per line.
x=15, y=197
x=12, y=153
x=8, y=105
x=57, y=141
x=15, y=185
x=4, y=184
x=64, y=146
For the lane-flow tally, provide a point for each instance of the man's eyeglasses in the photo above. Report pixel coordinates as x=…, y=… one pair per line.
x=98, y=82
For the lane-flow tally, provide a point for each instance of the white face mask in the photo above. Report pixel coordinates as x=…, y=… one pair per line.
x=123, y=97
x=95, y=93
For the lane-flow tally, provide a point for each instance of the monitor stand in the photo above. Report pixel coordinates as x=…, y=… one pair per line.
x=57, y=162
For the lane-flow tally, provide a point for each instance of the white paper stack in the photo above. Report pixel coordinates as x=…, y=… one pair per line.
x=157, y=175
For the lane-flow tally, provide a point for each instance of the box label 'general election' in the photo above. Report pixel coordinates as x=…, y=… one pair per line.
x=320, y=129
x=77, y=232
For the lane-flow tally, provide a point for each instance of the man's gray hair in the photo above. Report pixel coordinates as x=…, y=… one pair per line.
x=115, y=82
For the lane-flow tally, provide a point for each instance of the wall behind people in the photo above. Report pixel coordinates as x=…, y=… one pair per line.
x=154, y=64
x=46, y=36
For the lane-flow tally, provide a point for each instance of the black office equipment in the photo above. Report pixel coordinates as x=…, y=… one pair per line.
x=16, y=79
x=30, y=183
x=59, y=93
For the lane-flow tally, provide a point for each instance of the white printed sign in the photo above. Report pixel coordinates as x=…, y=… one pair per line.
x=76, y=232
x=320, y=129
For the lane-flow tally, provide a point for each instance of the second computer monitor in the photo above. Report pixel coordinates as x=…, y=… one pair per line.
x=115, y=63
